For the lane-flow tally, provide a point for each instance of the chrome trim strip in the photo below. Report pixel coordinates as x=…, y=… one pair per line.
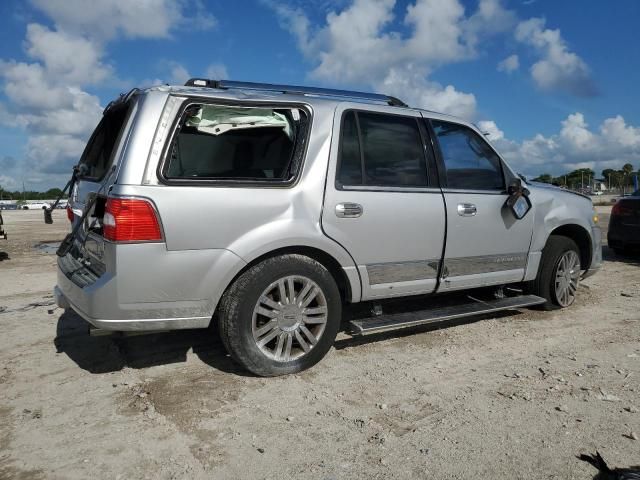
x=402, y=271
x=371, y=188
x=479, y=192
x=456, y=267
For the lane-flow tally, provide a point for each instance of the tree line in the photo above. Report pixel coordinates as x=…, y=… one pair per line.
x=583, y=177
x=50, y=194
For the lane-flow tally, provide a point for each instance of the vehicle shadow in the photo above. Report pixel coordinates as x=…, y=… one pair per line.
x=609, y=255
x=106, y=354
x=4, y=256
x=112, y=353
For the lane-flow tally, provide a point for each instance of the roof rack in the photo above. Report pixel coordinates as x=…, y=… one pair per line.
x=327, y=92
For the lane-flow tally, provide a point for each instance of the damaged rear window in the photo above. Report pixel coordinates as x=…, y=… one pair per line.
x=217, y=142
x=98, y=154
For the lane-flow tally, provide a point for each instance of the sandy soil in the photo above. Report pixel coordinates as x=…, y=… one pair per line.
x=514, y=396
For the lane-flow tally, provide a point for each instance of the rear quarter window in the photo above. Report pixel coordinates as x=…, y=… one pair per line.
x=218, y=143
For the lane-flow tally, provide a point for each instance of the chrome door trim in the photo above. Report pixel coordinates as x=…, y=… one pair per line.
x=392, y=272
x=373, y=188
x=456, y=267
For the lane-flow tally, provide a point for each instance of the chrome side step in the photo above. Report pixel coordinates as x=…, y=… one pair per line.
x=439, y=314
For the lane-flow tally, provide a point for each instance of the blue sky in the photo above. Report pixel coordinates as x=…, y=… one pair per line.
x=553, y=83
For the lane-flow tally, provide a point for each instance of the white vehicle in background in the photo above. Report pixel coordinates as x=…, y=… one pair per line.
x=35, y=206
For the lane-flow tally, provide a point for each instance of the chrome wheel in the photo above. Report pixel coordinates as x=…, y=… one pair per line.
x=289, y=318
x=567, y=277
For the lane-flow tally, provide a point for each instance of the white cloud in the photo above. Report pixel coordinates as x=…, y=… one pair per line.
x=559, y=68
x=412, y=86
x=45, y=94
x=617, y=131
x=491, y=18
x=575, y=145
x=491, y=130
x=357, y=46
x=509, y=64
x=108, y=19
x=69, y=58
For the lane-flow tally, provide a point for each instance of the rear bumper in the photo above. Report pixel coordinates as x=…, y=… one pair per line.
x=621, y=235
x=65, y=287
x=153, y=289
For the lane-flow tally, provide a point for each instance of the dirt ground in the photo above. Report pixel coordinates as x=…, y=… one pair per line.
x=513, y=396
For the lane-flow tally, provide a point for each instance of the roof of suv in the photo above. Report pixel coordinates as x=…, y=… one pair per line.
x=281, y=93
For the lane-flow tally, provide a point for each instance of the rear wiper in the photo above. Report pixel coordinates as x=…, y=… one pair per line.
x=78, y=171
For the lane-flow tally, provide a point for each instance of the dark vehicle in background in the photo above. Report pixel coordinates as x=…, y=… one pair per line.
x=624, y=225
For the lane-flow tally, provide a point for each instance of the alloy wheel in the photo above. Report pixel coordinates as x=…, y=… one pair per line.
x=289, y=318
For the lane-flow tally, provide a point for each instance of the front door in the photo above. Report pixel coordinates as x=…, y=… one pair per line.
x=486, y=244
x=381, y=201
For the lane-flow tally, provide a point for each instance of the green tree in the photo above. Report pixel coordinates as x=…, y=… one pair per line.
x=544, y=178
x=52, y=193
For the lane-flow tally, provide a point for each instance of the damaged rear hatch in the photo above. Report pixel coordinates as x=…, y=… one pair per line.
x=84, y=260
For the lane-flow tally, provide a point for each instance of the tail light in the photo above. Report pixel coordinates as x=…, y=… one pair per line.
x=131, y=220
x=621, y=210
x=70, y=214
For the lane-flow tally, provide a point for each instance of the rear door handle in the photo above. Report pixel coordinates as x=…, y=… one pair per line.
x=348, y=210
x=467, y=209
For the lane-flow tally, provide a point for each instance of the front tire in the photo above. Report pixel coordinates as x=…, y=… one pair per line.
x=281, y=316
x=558, y=274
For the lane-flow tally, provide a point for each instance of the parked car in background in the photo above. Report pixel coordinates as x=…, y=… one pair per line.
x=35, y=206
x=624, y=224
x=266, y=208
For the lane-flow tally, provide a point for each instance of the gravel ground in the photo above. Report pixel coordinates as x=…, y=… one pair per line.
x=513, y=396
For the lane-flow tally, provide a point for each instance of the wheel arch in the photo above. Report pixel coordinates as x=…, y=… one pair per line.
x=581, y=237
x=327, y=260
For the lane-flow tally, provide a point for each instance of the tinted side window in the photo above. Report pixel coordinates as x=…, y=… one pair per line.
x=469, y=161
x=350, y=160
x=390, y=146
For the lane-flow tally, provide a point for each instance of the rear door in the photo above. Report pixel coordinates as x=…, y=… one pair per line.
x=382, y=201
x=486, y=244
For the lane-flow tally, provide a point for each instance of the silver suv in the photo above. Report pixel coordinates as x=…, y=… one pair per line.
x=265, y=209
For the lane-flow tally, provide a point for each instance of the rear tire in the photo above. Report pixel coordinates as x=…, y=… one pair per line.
x=558, y=274
x=281, y=316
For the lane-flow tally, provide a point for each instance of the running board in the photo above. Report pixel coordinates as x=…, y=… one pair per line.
x=422, y=317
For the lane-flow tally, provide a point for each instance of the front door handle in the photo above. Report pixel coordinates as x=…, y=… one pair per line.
x=348, y=210
x=467, y=209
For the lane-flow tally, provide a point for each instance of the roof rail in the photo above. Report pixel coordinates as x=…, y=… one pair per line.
x=327, y=92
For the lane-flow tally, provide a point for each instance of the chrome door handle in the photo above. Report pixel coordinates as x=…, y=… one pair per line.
x=348, y=210
x=467, y=209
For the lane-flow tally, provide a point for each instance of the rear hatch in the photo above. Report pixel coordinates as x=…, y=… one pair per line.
x=98, y=168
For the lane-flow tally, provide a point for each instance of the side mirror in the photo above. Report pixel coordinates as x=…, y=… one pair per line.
x=518, y=201
x=515, y=186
